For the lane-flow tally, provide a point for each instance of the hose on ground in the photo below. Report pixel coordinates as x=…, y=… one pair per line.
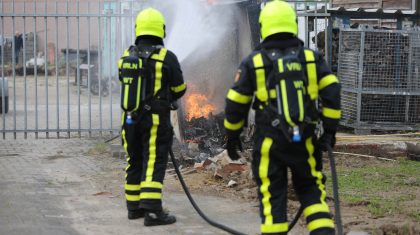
x=187, y=192
x=334, y=178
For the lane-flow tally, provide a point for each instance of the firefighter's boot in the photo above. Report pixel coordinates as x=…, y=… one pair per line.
x=135, y=214
x=154, y=218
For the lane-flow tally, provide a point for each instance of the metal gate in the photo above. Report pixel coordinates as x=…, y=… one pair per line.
x=63, y=81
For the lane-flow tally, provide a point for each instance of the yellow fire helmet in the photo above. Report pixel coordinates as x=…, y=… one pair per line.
x=278, y=17
x=150, y=22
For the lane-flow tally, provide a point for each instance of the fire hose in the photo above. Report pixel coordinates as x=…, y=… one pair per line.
x=334, y=178
x=187, y=192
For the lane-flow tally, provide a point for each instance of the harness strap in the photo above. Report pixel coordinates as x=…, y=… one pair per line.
x=262, y=93
x=159, y=58
x=311, y=73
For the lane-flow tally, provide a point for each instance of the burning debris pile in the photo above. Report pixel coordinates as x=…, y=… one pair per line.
x=207, y=133
x=200, y=126
x=204, y=139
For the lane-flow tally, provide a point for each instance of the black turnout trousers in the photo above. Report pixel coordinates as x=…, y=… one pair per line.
x=147, y=143
x=272, y=156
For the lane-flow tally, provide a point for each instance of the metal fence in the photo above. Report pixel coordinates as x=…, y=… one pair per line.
x=63, y=82
x=64, y=79
x=379, y=72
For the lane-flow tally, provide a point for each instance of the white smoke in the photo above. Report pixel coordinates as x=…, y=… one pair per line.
x=204, y=37
x=194, y=26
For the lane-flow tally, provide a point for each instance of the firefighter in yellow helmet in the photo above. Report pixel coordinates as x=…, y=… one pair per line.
x=151, y=81
x=283, y=81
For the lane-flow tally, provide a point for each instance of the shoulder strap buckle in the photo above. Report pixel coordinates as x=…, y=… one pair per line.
x=147, y=51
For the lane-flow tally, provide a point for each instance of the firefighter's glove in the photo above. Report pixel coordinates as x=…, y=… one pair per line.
x=233, y=144
x=327, y=139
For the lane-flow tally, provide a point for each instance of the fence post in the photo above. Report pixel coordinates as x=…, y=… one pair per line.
x=360, y=78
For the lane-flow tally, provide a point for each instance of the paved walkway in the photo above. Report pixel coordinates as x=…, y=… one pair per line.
x=55, y=187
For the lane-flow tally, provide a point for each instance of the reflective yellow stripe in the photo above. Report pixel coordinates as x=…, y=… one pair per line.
x=273, y=93
x=125, y=146
x=233, y=126
x=132, y=187
x=317, y=174
x=127, y=90
x=315, y=208
x=275, y=228
x=263, y=174
x=152, y=148
x=331, y=113
x=280, y=62
x=260, y=76
x=152, y=184
x=138, y=87
x=311, y=69
x=179, y=88
x=150, y=196
x=326, y=81
x=238, y=97
x=120, y=61
x=285, y=102
x=301, y=108
x=138, y=94
x=158, y=69
x=161, y=55
x=158, y=77
x=126, y=53
x=320, y=223
x=122, y=118
x=133, y=198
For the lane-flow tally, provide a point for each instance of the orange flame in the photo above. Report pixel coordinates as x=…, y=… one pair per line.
x=197, y=105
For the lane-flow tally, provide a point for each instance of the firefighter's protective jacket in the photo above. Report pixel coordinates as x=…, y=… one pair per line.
x=250, y=85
